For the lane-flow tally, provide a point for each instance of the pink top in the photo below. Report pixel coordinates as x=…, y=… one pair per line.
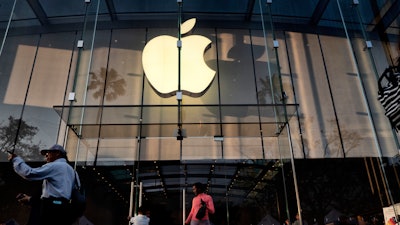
x=196, y=204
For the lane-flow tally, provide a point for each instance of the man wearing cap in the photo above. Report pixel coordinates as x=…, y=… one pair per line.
x=58, y=179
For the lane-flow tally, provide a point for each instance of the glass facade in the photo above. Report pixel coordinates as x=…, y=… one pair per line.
x=288, y=120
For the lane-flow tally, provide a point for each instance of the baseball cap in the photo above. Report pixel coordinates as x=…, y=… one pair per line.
x=53, y=148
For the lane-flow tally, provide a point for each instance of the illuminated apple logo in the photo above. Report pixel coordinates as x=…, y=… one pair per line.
x=160, y=63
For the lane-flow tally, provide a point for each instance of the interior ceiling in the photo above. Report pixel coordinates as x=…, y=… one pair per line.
x=237, y=180
x=244, y=181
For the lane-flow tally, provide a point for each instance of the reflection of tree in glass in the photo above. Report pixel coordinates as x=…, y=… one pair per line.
x=351, y=140
x=114, y=85
x=331, y=141
x=265, y=90
x=25, y=146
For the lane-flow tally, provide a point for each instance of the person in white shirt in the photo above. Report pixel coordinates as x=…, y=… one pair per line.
x=140, y=218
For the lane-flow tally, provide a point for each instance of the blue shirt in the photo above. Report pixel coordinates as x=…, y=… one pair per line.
x=58, y=176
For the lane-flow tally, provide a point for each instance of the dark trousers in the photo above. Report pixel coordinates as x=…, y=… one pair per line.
x=55, y=211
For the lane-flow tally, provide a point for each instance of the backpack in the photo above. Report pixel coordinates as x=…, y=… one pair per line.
x=202, y=211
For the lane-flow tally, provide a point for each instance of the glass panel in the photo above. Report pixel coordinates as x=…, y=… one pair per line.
x=18, y=133
x=6, y=15
x=236, y=68
x=367, y=76
x=369, y=60
x=47, y=85
x=85, y=53
x=313, y=90
x=125, y=76
x=72, y=11
x=100, y=75
x=353, y=122
x=271, y=88
x=198, y=120
x=14, y=82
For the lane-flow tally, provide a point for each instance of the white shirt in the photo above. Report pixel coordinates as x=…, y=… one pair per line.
x=140, y=220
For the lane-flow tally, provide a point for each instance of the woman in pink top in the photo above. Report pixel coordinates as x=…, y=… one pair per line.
x=198, y=191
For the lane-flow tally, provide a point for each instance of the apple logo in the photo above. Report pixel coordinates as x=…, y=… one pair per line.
x=160, y=63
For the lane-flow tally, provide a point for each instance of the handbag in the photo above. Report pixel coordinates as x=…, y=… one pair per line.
x=202, y=211
x=78, y=200
x=389, y=95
